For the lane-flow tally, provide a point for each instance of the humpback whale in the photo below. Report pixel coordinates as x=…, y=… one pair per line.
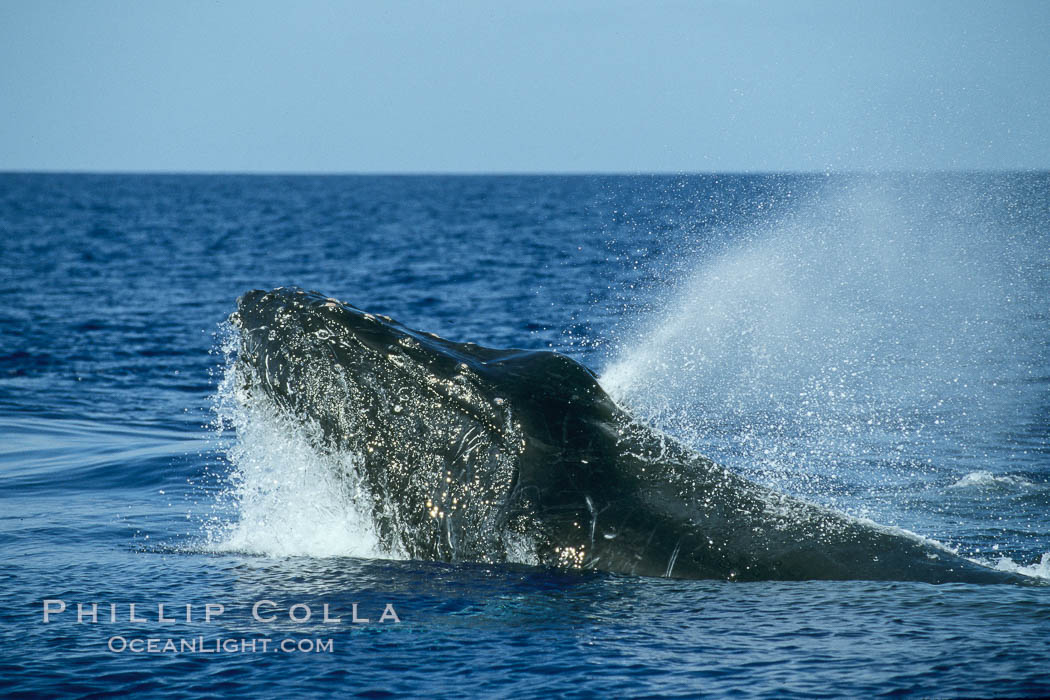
x=473, y=454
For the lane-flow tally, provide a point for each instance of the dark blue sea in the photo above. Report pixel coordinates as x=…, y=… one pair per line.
x=874, y=343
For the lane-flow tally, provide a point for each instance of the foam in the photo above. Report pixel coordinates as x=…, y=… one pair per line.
x=986, y=479
x=284, y=498
x=1039, y=570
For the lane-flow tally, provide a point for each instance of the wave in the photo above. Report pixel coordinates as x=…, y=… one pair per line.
x=47, y=453
x=986, y=479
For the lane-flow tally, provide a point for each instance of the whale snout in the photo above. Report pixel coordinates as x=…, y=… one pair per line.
x=250, y=297
x=250, y=308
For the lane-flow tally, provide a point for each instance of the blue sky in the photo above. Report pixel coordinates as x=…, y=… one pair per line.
x=462, y=86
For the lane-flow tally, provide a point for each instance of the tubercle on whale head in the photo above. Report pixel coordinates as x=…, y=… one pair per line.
x=288, y=320
x=322, y=357
x=327, y=319
x=257, y=308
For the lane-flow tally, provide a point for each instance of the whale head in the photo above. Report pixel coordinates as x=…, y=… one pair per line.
x=354, y=373
x=460, y=447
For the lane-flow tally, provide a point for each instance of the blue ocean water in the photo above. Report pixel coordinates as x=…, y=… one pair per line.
x=878, y=344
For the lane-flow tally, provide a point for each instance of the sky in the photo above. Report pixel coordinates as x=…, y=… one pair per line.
x=523, y=86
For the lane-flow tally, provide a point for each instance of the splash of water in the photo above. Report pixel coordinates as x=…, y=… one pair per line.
x=1039, y=570
x=871, y=334
x=283, y=497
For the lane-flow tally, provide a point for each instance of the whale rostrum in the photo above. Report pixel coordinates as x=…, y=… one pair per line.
x=466, y=453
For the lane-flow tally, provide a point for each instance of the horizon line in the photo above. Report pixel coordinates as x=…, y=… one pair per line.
x=827, y=172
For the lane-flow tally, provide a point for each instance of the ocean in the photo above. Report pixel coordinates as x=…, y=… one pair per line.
x=877, y=344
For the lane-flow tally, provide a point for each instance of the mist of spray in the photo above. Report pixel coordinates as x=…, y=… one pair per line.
x=869, y=337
